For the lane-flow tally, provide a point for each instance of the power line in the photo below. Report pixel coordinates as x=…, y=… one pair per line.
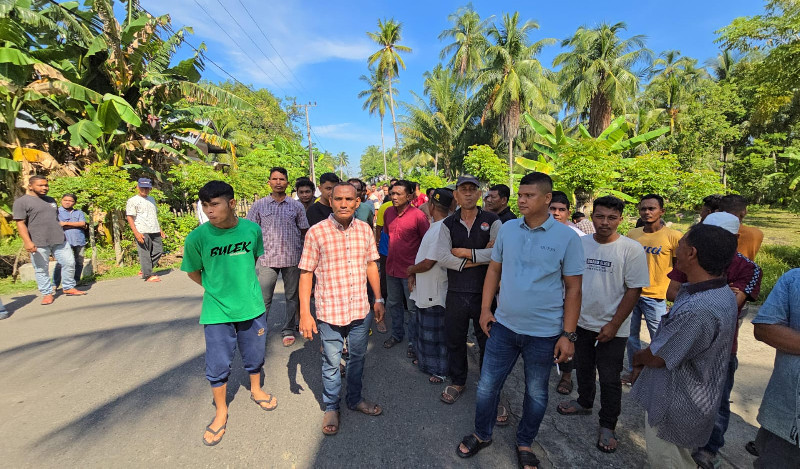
x=272, y=46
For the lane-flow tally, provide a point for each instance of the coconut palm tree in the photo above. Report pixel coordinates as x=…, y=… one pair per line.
x=469, y=41
x=513, y=80
x=389, y=63
x=377, y=95
x=341, y=160
x=597, y=76
x=674, y=79
x=722, y=65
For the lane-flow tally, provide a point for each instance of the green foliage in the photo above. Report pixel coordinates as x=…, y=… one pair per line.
x=176, y=228
x=187, y=179
x=587, y=166
x=651, y=173
x=692, y=187
x=101, y=187
x=372, y=163
x=775, y=260
x=483, y=163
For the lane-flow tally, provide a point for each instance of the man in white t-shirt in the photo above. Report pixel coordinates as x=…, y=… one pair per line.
x=427, y=281
x=142, y=216
x=616, y=271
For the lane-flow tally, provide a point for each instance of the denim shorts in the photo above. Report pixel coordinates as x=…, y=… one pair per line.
x=221, y=342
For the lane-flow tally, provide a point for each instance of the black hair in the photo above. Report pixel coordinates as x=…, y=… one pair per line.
x=392, y=181
x=502, y=190
x=408, y=185
x=214, y=189
x=733, y=203
x=280, y=170
x=560, y=198
x=304, y=182
x=343, y=184
x=536, y=178
x=712, y=201
x=609, y=201
x=657, y=198
x=329, y=177
x=361, y=184
x=70, y=194
x=36, y=177
x=715, y=247
x=429, y=191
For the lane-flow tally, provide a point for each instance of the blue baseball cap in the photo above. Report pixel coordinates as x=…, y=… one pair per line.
x=145, y=183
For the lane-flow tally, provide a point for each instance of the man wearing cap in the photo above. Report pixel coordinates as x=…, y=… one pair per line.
x=142, y=216
x=744, y=279
x=466, y=237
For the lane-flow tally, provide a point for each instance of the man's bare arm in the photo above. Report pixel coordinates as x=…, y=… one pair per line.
x=783, y=338
x=196, y=276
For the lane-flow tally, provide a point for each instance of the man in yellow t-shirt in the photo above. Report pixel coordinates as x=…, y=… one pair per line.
x=659, y=243
x=382, y=239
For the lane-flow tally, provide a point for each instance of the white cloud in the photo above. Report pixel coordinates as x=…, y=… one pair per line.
x=343, y=131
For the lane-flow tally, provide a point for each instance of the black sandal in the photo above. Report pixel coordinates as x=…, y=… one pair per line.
x=526, y=458
x=473, y=446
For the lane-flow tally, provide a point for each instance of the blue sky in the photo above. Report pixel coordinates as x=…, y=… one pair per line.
x=317, y=50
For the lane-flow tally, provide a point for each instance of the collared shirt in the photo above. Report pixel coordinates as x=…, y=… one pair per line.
x=694, y=339
x=281, y=224
x=405, y=235
x=431, y=289
x=780, y=407
x=144, y=213
x=506, y=215
x=338, y=257
x=75, y=236
x=534, y=261
x=365, y=212
x=586, y=226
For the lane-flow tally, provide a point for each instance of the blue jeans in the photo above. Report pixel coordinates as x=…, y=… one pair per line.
x=652, y=310
x=717, y=439
x=41, y=266
x=78, y=254
x=397, y=288
x=357, y=334
x=502, y=350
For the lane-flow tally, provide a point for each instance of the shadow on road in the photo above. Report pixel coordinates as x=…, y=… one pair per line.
x=307, y=361
x=19, y=302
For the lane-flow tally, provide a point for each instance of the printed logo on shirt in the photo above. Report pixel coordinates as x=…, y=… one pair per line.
x=599, y=265
x=237, y=249
x=652, y=250
x=484, y=226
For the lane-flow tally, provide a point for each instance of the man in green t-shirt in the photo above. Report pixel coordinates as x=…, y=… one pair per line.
x=220, y=256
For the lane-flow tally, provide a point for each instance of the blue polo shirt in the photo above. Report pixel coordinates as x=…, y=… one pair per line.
x=531, y=288
x=75, y=236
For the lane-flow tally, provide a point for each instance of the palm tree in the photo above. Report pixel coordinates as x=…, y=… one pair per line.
x=513, y=80
x=597, y=74
x=722, y=65
x=674, y=80
x=377, y=94
x=341, y=160
x=469, y=41
x=389, y=62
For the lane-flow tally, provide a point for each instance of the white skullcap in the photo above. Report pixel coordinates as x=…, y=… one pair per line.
x=723, y=220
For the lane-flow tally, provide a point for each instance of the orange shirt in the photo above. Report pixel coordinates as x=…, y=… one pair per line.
x=750, y=239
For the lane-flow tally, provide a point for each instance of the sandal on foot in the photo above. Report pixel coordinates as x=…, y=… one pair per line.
x=604, y=440
x=390, y=342
x=368, y=408
x=215, y=433
x=265, y=401
x=526, y=458
x=436, y=379
x=288, y=341
x=473, y=445
x=573, y=408
x=564, y=386
x=502, y=416
x=450, y=395
x=381, y=327
x=330, y=419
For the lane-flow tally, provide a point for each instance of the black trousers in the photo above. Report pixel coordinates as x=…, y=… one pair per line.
x=774, y=452
x=460, y=308
x=607, y=358
x=382, y=268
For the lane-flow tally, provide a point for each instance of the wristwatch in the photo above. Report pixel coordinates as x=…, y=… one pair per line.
x=380, y=300
x=571, y=336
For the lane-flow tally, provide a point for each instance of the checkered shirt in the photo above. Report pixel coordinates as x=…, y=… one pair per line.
x=280, y=224
x=339, y=257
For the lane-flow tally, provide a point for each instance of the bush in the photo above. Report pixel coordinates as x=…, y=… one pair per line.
x=483, y=163
x=775, y=261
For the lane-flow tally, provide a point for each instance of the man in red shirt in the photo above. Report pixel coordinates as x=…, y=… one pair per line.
x=405, y=225
x=420, y=198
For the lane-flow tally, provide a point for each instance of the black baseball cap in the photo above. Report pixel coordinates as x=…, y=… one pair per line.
x=443, y=197
x=467, y=179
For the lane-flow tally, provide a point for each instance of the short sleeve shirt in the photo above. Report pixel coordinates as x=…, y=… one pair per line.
x=339, y=257
x=75, y=236
x=534, y=261
x=40, y=215
x=431, y=289
x=405, y=235
x=144, y=213
x=281, y=224
x=226, y=259
x=318, y=212
x=659, y=248
x=750, y=239
x=611, y=269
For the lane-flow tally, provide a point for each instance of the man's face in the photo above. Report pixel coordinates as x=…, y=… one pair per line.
x=326, y=189
x=344, y=202
x=218, y=210
x=650, y=211
x=385, y=189
x=278, y=182
x=144, y=191
x=39, y=186
x=606, y=221
x=305, y=194
x=359, y=191
x=704, y=212
x=67, y=202
x=683, y=254
x=399, y=196
x=493, y=202
x=560, y=211
x=532, y=200
x=468, y=195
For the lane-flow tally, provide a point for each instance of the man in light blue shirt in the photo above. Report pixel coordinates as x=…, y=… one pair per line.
x=541, y=263
x=777, y=324
x=73, y=221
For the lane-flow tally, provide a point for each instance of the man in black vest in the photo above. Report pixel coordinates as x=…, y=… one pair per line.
x=465, y=249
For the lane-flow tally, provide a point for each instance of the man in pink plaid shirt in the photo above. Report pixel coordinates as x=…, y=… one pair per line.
x=340, y=251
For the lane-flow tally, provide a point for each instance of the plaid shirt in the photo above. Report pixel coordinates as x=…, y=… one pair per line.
x=280, y=224
x=339, y=257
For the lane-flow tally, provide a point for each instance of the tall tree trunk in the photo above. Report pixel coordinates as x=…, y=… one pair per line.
x=599, y=114
x=383, y=150
x=117, y=234
x=511, y=164
x=394, y=124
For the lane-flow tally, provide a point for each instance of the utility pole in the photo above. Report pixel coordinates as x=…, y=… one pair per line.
x=310, y=148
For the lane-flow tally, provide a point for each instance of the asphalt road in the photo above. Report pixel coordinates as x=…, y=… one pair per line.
x=116, y=379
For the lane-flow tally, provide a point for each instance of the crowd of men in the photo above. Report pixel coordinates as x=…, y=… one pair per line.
x=558, y=289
